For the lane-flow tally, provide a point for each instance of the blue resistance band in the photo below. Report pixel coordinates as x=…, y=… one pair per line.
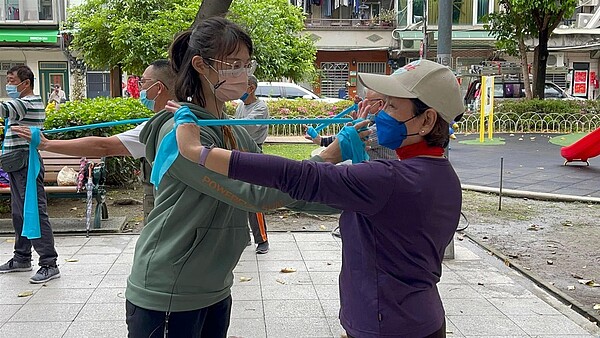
x=167, y=150
x=31, y=214
x=352, y=147
x=314, y=132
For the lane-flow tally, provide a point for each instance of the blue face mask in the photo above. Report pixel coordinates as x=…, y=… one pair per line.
x=146, y=101
x=244, y=97
x=391, y=132
x=12, y=91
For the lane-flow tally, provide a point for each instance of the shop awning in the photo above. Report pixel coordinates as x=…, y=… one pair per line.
x=29, y=35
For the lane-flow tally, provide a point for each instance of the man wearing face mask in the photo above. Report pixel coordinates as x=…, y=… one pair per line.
x=26, y=109
x=376, y=151
x=155, y=90
x=254, y=108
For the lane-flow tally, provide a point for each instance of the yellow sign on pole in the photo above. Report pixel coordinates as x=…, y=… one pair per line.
x=486, y=107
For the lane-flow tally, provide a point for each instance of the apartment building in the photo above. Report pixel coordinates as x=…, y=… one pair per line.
x=378, y=36
x=29, y=34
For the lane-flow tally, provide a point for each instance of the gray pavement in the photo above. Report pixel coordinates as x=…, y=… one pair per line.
x=531, y=164
x=482, y=297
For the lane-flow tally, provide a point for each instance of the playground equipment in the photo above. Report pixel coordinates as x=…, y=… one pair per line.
x=582, y=150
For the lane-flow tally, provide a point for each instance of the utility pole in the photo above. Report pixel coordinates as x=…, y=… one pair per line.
x=444, y=43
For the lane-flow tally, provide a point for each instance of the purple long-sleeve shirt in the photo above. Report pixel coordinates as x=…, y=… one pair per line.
x=397, y=219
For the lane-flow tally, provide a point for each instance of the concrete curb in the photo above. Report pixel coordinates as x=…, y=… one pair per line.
x=561, y=296
x=532, y=194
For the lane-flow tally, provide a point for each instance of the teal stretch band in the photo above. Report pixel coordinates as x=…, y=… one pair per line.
x=203, y=123
x=352, y=147
x=95, y=125
x=314, y=132
x=31, y=214
x=167, y=150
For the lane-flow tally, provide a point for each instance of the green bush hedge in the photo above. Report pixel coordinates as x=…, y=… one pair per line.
x=299, y=108
x=121, y=170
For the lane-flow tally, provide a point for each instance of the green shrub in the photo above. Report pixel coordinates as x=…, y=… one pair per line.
x=298, y=108
x=121, y=170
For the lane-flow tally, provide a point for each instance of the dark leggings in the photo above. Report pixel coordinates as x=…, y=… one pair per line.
x=441, y=333
x=209, y=322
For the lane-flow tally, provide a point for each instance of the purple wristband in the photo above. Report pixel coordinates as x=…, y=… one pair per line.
x=204, y=154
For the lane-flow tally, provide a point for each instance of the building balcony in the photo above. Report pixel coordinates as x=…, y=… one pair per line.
x=348, y=24
x=31, y=12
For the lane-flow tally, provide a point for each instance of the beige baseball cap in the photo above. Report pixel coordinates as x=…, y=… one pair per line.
x=428, y=81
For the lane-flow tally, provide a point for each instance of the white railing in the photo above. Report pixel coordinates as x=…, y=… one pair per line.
x=534, y=122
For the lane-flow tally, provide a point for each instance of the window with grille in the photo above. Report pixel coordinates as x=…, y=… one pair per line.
x=372, y=67
x=334, y=76
x=98, y=84
x=559, y=79
x=4, y=67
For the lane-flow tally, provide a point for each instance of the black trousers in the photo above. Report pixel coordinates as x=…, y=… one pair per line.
x=44, y=246
x=208, y=322
x=441, y=333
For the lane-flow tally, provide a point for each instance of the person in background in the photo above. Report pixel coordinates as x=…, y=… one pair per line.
x=254, y=108
x=398, y=216
x=57, y=95
x=156, y=87
x=27, y=109
x=374, y=149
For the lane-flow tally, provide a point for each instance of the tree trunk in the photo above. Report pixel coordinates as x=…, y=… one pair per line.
x=542, y=60
x=209, y=8
x=116, y=82
x=525, y=68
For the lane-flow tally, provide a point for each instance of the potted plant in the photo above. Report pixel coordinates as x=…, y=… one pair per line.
x=387, y=17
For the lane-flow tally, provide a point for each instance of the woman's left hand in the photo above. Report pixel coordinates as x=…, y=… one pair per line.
x=172, y=106
x=333, y=153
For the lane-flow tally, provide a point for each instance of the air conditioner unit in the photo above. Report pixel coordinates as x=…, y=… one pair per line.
x=410, y=45
x=556, y=60
x=583, y=19
x=591, y=3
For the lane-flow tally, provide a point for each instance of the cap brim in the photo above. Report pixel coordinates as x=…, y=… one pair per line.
x=386, y=84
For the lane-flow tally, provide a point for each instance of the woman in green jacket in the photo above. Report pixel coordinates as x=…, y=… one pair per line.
x=180, y=283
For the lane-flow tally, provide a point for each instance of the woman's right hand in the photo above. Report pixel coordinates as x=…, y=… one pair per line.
x=316, y=140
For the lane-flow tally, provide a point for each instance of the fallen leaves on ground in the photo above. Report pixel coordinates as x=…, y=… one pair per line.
x=280, y=281
x=25, y=293
x=288, y=270
x=588, y=282
x=71, y=260
x=571, y=287
x=245, y=279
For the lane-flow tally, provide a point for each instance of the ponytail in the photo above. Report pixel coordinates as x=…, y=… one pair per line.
x=188, y=87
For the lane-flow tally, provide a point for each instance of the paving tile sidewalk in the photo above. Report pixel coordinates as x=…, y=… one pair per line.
x=482, y=297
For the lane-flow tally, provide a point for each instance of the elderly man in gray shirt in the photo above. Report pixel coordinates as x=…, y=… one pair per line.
x=254, y=108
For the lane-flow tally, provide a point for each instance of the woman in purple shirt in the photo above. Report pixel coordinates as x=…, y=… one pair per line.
x=398, y=216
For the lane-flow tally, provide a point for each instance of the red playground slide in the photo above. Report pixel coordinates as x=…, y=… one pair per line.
x=582, y=150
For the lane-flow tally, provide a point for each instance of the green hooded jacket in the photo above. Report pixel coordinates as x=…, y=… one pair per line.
x=195, y=235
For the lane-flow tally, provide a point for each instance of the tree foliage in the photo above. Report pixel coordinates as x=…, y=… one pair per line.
x=133, y=33
x=535, y=19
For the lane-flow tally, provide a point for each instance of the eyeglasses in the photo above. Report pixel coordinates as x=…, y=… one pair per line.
x=143, y=81
x=236, y=68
